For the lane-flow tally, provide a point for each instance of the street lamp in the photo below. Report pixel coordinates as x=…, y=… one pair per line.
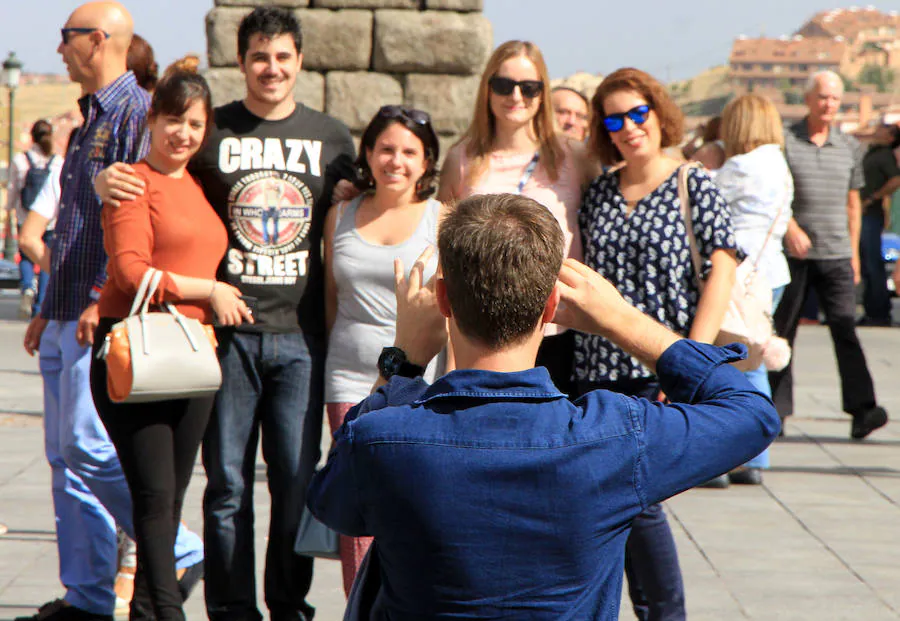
x=12, y=68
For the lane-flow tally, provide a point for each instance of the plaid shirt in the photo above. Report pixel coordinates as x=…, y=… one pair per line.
x=113, y=131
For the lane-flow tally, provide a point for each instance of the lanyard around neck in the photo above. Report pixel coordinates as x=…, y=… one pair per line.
x=529, y=170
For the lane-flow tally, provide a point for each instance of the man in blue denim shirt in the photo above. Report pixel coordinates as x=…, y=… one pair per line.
x=489, y=494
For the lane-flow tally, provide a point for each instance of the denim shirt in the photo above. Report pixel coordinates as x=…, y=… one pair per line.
x=492, y=496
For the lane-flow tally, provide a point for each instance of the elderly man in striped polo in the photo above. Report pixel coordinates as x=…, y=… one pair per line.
x=822, y=244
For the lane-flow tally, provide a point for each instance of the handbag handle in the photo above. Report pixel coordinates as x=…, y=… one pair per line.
x=151, y=290
x=142, y=291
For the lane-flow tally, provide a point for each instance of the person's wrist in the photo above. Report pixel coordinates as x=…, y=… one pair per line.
x=414, y=355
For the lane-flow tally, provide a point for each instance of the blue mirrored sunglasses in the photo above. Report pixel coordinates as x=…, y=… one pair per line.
x=615, y=122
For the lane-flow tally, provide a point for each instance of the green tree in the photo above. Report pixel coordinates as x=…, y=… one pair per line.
x=882, y=78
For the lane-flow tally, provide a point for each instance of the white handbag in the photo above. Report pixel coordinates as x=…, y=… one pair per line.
x=156, y=356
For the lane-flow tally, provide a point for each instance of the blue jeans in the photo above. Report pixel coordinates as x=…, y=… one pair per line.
x=655, y=585
x=876, y=299
x=759, y=377
x=271, y=383
x=26, y=277
x=90, y=495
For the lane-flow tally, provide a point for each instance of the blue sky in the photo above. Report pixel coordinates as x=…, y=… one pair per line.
x=671, y=39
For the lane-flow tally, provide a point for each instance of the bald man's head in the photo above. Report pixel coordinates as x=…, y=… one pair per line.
x=95, y=43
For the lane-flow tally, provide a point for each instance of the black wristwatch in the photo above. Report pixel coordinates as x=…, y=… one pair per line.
x=392, y=361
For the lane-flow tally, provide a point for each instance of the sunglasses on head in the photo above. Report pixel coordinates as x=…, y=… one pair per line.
x=418, y=117
x=66, y=32
x=505, y=86
x=615, y=122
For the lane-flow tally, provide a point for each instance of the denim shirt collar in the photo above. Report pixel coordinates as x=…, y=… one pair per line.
x=532, y=384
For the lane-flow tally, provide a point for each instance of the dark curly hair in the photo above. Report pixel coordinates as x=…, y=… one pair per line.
x=426, y=186
x=671, y=119
x=270, y=22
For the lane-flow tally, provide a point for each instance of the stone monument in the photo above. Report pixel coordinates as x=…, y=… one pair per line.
x=361, y=54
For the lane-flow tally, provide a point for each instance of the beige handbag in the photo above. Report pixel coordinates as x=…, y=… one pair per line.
x=156, y=356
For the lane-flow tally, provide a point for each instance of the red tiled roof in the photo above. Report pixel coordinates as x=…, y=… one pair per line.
x=814, y=50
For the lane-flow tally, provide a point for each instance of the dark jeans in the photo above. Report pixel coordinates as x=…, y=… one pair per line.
x=157, y=444
x=27, y=276
x=271, y=383
x=832, y=280
x=876, y=299
x=557, y=354
x=651, y=558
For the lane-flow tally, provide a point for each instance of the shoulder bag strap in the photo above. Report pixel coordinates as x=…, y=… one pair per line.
x=684, y=198
x=529, y=171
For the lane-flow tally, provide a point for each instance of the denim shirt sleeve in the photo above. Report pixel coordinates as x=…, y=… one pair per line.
x=334, y=496
x=716, y=420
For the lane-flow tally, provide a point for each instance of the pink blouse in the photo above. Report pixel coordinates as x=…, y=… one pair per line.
x=562, y=197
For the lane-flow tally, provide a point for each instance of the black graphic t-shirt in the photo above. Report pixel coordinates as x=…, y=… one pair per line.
x=271, y=183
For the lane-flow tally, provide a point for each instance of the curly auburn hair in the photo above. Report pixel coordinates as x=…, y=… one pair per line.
x=671, y=119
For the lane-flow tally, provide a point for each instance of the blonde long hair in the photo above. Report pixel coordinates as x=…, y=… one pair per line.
x=479, y=138
x=748, y=122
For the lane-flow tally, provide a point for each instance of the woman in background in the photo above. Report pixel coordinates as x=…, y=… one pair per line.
x=757, y=183
x=35, y=212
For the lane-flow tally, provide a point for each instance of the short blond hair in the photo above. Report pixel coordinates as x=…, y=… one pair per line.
x=748, y=122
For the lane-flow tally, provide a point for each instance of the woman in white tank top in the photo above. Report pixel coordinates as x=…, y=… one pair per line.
x=393, y=218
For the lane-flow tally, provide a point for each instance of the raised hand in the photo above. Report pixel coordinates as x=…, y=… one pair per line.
x=421, y=328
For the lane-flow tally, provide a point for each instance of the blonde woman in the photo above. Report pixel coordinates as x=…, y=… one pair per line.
x=757, y=183
x=512, y=146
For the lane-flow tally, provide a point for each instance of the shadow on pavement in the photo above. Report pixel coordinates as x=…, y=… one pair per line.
x=838, y=470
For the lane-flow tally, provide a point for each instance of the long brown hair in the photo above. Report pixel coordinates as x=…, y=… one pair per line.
x=479, y=138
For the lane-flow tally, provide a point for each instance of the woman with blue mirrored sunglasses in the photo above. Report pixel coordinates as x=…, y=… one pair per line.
x=634, y=235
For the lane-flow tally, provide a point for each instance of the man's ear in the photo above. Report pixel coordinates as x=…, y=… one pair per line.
x=240, y=63
x=551, y=305
x=299, y=61
x=443, y=302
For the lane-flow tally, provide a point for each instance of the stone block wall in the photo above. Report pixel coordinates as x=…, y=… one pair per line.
x=361, y=54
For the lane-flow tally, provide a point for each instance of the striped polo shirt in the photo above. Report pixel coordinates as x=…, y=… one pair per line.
x=113, y=131
x=822, y=178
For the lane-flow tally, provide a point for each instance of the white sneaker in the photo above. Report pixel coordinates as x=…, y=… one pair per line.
x=26, y=304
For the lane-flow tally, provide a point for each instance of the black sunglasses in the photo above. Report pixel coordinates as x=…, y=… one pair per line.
x=65, y=32
x=505, y=86
x=419, y=117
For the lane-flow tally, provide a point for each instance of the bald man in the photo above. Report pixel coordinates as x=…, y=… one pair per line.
x=822, y=244
x=90, y=494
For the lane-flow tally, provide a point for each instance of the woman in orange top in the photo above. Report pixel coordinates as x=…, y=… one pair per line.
x=172, y=228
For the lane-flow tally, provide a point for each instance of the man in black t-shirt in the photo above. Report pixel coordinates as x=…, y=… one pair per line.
x=268, y=168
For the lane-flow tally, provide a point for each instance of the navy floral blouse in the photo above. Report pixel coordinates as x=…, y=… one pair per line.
x=647, y=256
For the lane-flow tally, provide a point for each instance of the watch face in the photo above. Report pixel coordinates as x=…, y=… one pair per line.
x=390, y=361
